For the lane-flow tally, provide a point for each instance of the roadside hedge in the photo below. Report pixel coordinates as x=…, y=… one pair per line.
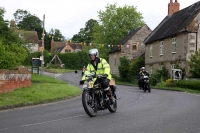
x=190, y=84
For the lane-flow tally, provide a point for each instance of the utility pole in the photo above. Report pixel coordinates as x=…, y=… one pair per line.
x=43, y=35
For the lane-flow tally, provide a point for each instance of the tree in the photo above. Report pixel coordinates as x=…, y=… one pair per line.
x=57, y=34
x=86, y=34
x=12, y=52
x=195, y=64
x=20, y=14
x=26, y=21
x=115, y=23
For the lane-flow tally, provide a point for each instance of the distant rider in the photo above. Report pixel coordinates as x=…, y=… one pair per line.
x=141, y=75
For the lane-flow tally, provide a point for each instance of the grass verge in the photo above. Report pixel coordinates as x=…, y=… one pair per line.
x=43, y=90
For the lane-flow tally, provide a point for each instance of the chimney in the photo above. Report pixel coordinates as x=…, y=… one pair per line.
x=173, y=7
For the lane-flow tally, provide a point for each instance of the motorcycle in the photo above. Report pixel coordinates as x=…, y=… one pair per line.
x=94, y=98
x=146, y=85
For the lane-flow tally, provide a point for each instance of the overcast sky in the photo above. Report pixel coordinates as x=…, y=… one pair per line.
x=69, y=16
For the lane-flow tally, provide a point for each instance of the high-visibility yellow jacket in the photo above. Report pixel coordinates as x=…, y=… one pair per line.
x=102, y=67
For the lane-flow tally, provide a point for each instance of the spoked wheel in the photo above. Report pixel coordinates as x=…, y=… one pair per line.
x=113, y=107
x=89, y=104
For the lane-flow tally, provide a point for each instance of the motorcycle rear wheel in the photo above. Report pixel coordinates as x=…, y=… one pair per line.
x=89, y=104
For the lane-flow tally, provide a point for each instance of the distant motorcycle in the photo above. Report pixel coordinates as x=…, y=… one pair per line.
x=94, y=98
x=145, y=82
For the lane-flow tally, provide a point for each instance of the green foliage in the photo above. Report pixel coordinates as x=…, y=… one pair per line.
x=124, y=68
x=158, y=76
x=79, y=59
x=195, y=64
x=74, y=60
x=11, y=55
x=85, y=34
x=12, y=52
x=169, y=83
x=190, y=84
x=115, y=23
x=26, y=21
x=134, y=69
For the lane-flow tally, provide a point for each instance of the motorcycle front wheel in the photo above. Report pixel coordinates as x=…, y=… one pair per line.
x=149, y=88
x=89, y=104
x=113, y=107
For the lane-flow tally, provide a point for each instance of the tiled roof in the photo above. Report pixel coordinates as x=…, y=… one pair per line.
x=175, y=23
x=29, y=36
x=75, y=46
x=59, y=49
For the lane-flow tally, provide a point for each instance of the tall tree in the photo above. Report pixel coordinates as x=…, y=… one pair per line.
x=116, y=22
x=86, y=34
x=26, y=21
x=57, y=34
x=20, y=14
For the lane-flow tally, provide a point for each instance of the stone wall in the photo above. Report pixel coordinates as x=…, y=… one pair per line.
x=14, y=79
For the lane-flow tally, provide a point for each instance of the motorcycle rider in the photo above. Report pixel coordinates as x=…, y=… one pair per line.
x=101, y=67
x=142, y=73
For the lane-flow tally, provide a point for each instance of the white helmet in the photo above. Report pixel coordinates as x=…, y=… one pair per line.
x=143, y=68
x=93, y=51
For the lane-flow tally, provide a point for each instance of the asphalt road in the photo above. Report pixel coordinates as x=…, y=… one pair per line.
x=138, y=112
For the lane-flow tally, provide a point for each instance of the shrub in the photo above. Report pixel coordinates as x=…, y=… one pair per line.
x=190, y=84
x=169, y=83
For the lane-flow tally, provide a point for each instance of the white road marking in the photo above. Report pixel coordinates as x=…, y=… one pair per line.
x=192, y=94
x=39, y=123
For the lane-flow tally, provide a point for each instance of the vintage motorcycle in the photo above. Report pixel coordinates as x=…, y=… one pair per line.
x=146, y=85
x=94, y=98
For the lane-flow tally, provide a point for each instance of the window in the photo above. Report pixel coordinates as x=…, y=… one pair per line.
x=67, y=50
x=134, y=47
x=173, y=45
x=161, y=66
x=151, y=69
x=161, y=48
x=172, y=68
x=151, y=50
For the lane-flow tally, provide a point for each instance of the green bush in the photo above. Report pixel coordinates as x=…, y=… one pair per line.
x=190, y=84
x=124, y=69
x=159, y=76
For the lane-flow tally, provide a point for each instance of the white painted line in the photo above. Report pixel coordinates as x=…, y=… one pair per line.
x=192, y=94
x=39, y=123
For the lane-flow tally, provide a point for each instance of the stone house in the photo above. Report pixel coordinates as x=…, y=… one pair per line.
x=173, y=41
x=132, y=47
x=63, y=47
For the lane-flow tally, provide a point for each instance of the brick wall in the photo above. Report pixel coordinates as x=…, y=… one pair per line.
x=14, y=79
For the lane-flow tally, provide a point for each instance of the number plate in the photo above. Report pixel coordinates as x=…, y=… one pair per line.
x=90, y=84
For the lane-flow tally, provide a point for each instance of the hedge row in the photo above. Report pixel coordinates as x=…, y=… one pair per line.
x=190, y=84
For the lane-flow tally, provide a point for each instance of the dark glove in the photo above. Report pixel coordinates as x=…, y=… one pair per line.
x=105, y=75
x=81, y=82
